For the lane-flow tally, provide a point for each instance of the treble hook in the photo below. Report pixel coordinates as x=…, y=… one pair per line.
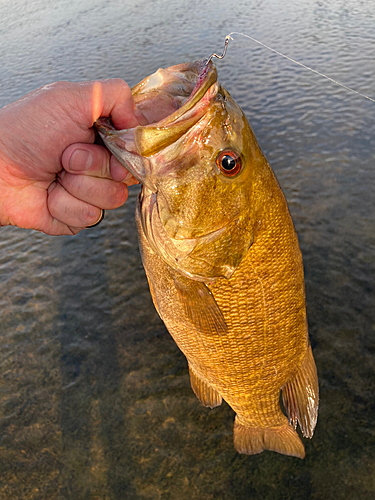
x=227, y=38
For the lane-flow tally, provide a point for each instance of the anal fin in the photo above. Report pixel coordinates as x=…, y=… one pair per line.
x=283, y=439
x=207, y=395
x=301, y=396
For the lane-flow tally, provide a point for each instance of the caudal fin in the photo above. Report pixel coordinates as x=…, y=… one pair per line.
x=301, y=396
x=252, y=440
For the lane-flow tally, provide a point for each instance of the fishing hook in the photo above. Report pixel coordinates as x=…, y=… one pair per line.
x=227, y=38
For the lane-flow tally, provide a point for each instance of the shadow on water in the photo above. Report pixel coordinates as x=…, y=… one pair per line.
x=96, y=402
x=94, y=431
x=131, y=426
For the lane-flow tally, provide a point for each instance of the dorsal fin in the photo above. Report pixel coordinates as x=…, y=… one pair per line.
x=301, y=396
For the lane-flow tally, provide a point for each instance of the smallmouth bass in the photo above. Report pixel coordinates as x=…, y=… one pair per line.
x=221, y=255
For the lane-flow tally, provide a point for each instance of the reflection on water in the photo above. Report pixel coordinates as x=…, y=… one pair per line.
x=95, y=396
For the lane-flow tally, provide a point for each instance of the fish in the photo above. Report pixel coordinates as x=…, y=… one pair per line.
x=221, y=255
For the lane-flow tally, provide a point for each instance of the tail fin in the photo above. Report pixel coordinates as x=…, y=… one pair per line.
x=283, y=439
x=301, y=396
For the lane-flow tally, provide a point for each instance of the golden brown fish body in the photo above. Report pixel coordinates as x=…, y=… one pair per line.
x=221, y=256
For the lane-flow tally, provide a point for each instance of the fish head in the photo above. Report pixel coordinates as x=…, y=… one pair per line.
x=196, y=160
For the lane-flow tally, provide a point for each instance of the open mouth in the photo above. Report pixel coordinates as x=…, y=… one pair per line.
x=169, y=93
x=172, y=100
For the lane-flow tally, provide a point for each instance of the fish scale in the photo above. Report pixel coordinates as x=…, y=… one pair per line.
x=222, y=258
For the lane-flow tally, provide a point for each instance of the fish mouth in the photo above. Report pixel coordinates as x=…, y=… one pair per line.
x=172, y=100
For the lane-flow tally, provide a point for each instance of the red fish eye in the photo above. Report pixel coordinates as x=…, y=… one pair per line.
x=229, y=163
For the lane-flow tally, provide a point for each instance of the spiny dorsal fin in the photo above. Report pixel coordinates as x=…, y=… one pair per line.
x=206, y=394
x=301, y=396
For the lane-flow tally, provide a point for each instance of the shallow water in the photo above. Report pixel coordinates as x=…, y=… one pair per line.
x=95, y=396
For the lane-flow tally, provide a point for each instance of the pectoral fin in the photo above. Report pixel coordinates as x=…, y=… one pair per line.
x=200, y=306
x=206, y=394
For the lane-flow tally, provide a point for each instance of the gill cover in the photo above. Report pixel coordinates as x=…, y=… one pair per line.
x=195, y=215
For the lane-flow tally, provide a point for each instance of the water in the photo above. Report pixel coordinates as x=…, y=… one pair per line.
x=95, y=396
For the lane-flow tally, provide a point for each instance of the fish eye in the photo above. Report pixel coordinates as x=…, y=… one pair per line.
x=229, y=163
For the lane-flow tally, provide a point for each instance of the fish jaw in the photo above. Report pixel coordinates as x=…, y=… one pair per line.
x=122, y=145
x=197, y=84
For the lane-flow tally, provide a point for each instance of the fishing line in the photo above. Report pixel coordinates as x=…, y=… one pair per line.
x=229, y=37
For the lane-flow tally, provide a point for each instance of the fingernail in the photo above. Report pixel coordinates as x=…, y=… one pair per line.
x=81, y=160
x=140, y=117
x=127, y=177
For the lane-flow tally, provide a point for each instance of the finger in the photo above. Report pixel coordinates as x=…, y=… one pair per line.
x=123, y=112
x=111, y=98
x=103, y=193
x=69, y=210
x=120, y=174
x=57, y=228
x=96, y=161
x=89, y=159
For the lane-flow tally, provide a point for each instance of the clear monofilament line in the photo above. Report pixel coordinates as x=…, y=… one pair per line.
x=229, y=37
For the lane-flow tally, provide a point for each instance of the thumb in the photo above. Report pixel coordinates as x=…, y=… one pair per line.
x=113, y=98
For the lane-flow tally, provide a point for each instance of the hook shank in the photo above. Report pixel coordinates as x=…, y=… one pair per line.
x=227, y=38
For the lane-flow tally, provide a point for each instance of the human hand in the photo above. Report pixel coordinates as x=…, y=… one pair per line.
x=53, y=178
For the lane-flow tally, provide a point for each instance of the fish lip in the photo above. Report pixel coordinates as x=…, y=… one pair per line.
x=121, y=145
x=207, y=76
x=151, y=138
x=132, y=147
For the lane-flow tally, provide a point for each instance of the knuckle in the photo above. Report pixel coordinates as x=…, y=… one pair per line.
x=121, y=83
x=122, y=87
x=75, y=230
x=102, y=159
x=90, y=215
